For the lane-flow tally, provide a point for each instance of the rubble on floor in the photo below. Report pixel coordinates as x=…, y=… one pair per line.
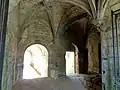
x=70, y=82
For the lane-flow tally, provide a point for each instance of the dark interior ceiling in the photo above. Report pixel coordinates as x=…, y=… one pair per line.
x=77, y=33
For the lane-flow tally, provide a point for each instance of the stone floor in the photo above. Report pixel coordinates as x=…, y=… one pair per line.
x=71, y=82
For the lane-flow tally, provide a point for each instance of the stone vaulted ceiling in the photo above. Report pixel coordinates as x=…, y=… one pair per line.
x=52, y=16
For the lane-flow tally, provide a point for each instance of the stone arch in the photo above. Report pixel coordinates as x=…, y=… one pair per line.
x=27, y=15
x=33, y=32
x=104, y=5
x=20, y=55
x=76, y=59
x=38, y=65
x=38, y=16
x=65, y=23
x=94, y=51
x=72, y=61
x=81, y=4
x=105, y=14
x=42, y=22
x=83, y=28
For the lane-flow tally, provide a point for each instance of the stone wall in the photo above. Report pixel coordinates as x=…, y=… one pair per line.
x=35, y=22
x=29, y=23
x=9, y=68
x=93, y=52
x=108, y=78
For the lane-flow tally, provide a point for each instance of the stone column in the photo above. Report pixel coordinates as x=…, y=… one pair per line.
x=4, y=5
x=76, y=59
x=19, y=66
x=57, y=66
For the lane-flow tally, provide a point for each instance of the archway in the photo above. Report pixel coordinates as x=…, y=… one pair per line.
x=72, y=63
x=35, y=62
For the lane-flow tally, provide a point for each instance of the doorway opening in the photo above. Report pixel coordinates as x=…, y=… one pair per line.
x=72, y=60
x=35, y=62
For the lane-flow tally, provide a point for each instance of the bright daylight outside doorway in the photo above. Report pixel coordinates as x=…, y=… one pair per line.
x=70, y=62
x=35, y=62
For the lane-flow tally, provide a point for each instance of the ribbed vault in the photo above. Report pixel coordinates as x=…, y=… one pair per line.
x=57, y=14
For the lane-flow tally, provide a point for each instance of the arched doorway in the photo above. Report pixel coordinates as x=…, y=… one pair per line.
x=35, y=62
x=72, y=63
